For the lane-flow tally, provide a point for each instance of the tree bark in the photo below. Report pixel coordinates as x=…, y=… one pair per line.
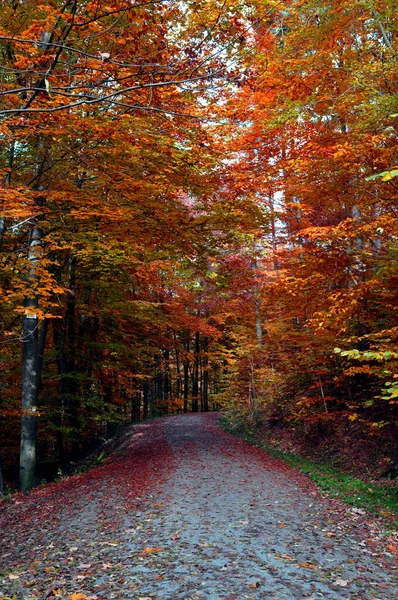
x=186, y=379
x=195, y=381
x=30, y=375
x=167, y=382
x=205, y=396
x=159, y=378
x=145, y=407
x=1, y=480
x=257, y=304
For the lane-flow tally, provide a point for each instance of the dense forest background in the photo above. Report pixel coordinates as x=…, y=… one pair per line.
x=198, y=212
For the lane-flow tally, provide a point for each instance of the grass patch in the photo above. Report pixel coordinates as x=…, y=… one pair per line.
x=377, y=498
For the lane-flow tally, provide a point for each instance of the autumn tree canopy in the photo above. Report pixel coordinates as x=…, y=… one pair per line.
x=197, y=210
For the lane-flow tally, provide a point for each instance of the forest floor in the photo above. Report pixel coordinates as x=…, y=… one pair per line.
x=184, y=510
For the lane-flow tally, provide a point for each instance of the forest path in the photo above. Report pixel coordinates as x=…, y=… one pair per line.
x=187, y=511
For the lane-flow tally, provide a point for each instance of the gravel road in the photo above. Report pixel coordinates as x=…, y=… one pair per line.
x=187, y=511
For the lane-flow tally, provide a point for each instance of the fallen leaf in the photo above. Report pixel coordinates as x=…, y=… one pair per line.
x=76, y=596
x=281, y=525
x=286, y=556
x=307, y=566
x=13, y=576
x=358, y=511
x=330, y=534
x=151, y=551
x=160, y=504
x=340, y=582
x=392, y=548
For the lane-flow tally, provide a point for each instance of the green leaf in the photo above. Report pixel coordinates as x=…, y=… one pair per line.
x=48, y=86
x=385, y=175
x=390, y=174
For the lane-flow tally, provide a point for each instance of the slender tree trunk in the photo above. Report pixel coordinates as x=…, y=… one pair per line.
x=135, y=408
x=64, y=337
x=273, y=233
x=1, y=480
x=167, y=392
x=178, y=369
x=195, y=380
x=322, y=394
x=257, y=305
x=205, y=375
x=159, y=378
x=186, y=378
x=145, y=404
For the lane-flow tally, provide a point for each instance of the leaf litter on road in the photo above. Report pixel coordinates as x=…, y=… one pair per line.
x=201, y=516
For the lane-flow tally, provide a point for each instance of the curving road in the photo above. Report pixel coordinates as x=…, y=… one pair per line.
x=187, y=511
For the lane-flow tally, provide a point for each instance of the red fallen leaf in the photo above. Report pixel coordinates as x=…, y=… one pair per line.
x=175, y=537
x=392, y=548
x=151, y=551
x=307, y=566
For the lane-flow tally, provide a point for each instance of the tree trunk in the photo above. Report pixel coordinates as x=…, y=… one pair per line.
x=1, y=480
x=178, y=368
x=195, y=380
x=30, y=374
x=167, y=391
x=186, y=379
x=64, y=336
x=145, y=405
x=205, y=395
x=29, y=403
x=257, y=305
